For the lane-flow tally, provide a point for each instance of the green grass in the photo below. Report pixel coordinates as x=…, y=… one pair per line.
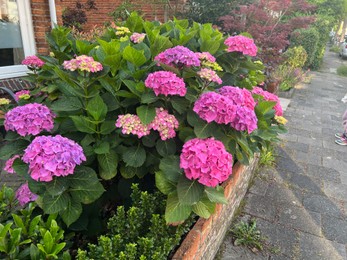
x=342, y=70
x=247, y=234
x=335, y=49
x=267, y=156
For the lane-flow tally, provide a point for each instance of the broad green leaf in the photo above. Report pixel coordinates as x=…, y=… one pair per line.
x=132, y=86
x=20, y=167
x=180, y=104
x=72, y=212
x=193, y=118
x=107, y=127
x=166, y=148
x=34, y=252
x=102, y=148
x=134, y=156
x=175, y=212
x=97, y=108
x=83, y=124
x=146, y=114
x=65, y=104
x=205, y=130
x=57, y=186
x=134, y=56
x=54, y=204
x=163, y=183
x=134, y=22
x=189, y=191
x=216, y=194
x=114, y=62
x=148, y=98
x=12, y=148
x=264, y=106
x=170, y=166
x=128, y=172
x=82, y=176
x=19, y=223
x=48, y=242
x=111, y=101
x=160, y=44
x=87, y=194
x=110, y=85
x=204, y=208
x=108, y=163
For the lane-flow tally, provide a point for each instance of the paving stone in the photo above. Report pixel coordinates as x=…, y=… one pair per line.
x=310, y=141
x=282, y=195
x=336, y=164
x=335, y=229
x=288, y=164
x=297, y=146
x=305, y=157
x=324, y=205
x=323, y=173
x=306, y=183
x=259, y=186
x=336, y=190
x=260, y=206
x=316, y=248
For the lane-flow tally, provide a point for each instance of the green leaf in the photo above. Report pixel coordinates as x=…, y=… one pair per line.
x=204, y=208
x=34, y=252
x=134, y=22
x=57, y=186
x=160, y=44
x=175, y=212
x=146, y=114
x=102, y=148
x=54, y=204
x=216, y=194
x=19, y=223
x=97, y=108
x=148, y=98
x=72, y=212
x=110, y=85
x=264, y=106
x=134, y=56
x=189, y=192
x=180, y=104
x=82, y=176
x=66, y=104
x=9, y=149
x=170, y=166
x=194, y=119
x=83, y=124
x=128, y=172
x=108, y=163
x=132, y=86
x=134, y=156
x=48, y=242
x=20, y=167
x=166, y=148
x=163, y=183
x=107, y=127
x=205, y=130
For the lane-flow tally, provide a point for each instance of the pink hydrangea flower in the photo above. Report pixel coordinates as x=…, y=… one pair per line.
x=23, y=94
x=131, y=124
x=164, y=123
x=206, y=160
x=9, y=163
x=50, y=156
x=33, y=62
x=239, y=96
x=83, y=63
x=212, y=106
x=270, y=97
x=178, y=56
x=206, y=56
x=210, y=75
x=166, y=83
x=242, y=44
x=245, y=120
x=24, y=195
x=29, y=119
x=137, y=37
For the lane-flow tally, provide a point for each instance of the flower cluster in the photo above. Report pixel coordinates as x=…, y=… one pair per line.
x=4, y=101
x=9, y=163
x=24, y=195
x=212, y=106
x=166, y=83
x=206, y=56
x=269, y=97
x=137, y=37
x=50, y=156
x=23, y=94
x=209, y=75
x=121, y=31
x=178, y=56
x=29, y=119
x=239, y=96
x=281, y=120
x=33, y=62
x=131, y=124
x=164, y=123
x=83, y=63
x=206, y=160
x=242, y=44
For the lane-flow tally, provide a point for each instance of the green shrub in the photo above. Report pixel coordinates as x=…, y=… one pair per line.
x=335, y=49
x=342, y=70
x=295, y=57
x=308, y=39
x=139, y=232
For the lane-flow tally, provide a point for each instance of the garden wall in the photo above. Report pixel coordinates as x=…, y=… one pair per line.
x=205, y=238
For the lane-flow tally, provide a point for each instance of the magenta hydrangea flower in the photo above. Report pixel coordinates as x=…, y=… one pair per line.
x=24, y=195
x=33, y=62
x=178, y=56
x=137, y=37
x=83, y=63
x=206, y=56
x=164, y=123
x=166, y=83
x=9, y=163
x=269, y=97
x=131, y=124
x=212, y=106
x=245, y=120
x=206, y=160
x=30, y=119
x=209, y=75
x=242, y=44
x=50, y=156
x=23, y=94
x=239, y=96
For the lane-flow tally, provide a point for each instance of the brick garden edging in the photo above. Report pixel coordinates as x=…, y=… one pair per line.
x=204, y=239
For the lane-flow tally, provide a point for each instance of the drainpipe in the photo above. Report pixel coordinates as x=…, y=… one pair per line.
x=53, y=13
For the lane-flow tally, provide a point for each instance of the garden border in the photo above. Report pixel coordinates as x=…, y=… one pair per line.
x=204, y=239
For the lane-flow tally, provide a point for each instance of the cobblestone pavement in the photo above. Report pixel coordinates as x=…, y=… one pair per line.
x=300, y=205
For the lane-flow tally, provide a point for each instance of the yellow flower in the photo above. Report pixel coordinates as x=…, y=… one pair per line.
x=281, y=120
x=4, y=101
x=51, y=54
x=213, y=65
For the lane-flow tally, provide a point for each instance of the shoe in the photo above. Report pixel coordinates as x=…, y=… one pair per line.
x=340, y=136
x=341, y=141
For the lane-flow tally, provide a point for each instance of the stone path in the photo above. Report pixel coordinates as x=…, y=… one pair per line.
x=300, y=205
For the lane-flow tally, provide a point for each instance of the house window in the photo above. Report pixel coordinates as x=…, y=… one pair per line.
x=16, y=37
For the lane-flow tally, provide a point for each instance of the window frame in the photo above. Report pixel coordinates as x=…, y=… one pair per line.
x=28, y=39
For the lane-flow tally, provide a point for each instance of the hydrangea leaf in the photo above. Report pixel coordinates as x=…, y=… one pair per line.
x=175, y=212
x=189, y=192
x=146, y=114
x=72, y=212
x=163, y=183
x=134, y=156
x=83, y=124
x=148, y=98
x=170, y=166
x=128, y=172
x=180, y=104
x=204, y=208
x=166, y=148
x=107, y=127
x=57, y=186
x=20, y=167
x=216, y=194
x=102, y=148
x=134, y=56
x=87, y=194
x=66, y=104
x=54, y=204
x=205, y=130
x=9, y=149
x=108, y=163
x=97, y=108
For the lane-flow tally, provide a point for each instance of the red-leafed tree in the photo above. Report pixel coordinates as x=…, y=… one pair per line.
x=270, y=23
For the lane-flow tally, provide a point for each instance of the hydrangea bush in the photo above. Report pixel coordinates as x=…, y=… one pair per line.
x=166, y=105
